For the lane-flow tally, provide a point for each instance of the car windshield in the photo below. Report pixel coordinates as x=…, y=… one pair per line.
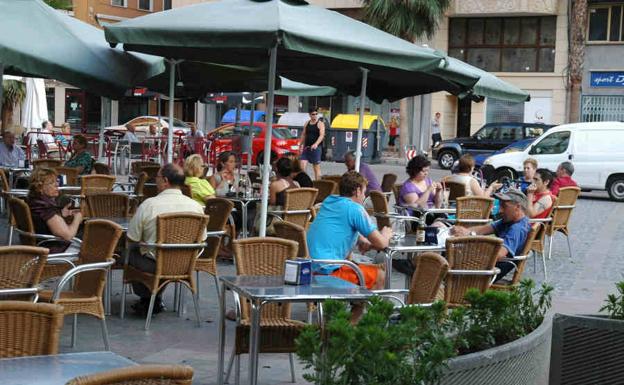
x=282, y=133
x=176, y=122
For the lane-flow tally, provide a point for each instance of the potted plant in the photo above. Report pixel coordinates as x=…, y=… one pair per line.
x=484, y=343
x=588, y=349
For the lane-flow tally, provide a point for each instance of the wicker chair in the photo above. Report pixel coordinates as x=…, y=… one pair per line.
x=473, y=211
x=387, y=182
x=429, y=272
x=20, y=215
x=218, y=211
x=95, y=259
x=264, y=256
x=519, y=261
x=150, y=169
x=29, y=329
x=49, y=163
x=335, y=179
x=396, y=191
x=178, y=242
x=380, y=209
x=471, y=261
x=137, y=167
x=296, y=233
x=139, y=375
x=71, y=174
x=325, y=188
x=108, y=205
x=93, y=184
x=101, y=168
x=20, y=271
x=456, y=190
x=138, y=193
x=298, y=206
x=561, y=213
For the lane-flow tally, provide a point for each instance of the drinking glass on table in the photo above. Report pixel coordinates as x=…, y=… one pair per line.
x=398, y=230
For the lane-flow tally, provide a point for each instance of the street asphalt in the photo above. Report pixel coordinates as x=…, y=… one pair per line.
x=581, y=283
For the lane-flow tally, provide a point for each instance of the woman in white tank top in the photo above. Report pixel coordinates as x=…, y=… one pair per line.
x=464, y=176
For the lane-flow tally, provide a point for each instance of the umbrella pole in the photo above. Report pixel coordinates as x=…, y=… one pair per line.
x=250, y=133
x=172, y=65
x=358, y=146
x=1, y=90
x=266, y=169
x=103, y=110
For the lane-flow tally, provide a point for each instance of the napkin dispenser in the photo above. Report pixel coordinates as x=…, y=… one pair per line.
x=298, y=272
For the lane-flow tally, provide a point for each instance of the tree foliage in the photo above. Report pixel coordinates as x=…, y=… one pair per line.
x=65, y=5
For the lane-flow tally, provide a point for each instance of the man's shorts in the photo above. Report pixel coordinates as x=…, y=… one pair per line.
x=312, y=156
x=369, y=271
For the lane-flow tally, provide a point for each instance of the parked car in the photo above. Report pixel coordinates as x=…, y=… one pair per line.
x=596, y=149
x=142, y=123
x=226, y=138
x=514, y=147
x=490, y=138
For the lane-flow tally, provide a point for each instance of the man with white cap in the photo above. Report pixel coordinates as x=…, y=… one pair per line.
x=513, y=228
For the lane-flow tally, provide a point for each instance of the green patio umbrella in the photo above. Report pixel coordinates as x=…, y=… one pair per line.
x=39, y=41
x=314, y=45
x=292, y=88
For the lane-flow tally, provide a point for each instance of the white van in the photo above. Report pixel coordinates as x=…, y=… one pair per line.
x=596, y=149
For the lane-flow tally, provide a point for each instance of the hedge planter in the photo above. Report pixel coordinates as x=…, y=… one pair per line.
x=587, y=349
x=523, y=361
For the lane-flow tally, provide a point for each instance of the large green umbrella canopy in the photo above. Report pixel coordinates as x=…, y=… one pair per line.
x=292, y=88
x=39, y=41
x=315, y=45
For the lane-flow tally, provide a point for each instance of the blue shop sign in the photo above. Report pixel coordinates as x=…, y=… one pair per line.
x=607, y=79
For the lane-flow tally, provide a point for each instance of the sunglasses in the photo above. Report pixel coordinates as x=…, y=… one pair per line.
x=314, y=114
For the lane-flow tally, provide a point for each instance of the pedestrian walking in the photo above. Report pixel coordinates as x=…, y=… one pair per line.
x=435, y=129
x=393, y=127
x=311, y=142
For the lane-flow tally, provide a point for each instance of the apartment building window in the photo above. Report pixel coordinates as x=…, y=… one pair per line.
x=605, y=23
x=505, y=44
x=119, y=3
x=145, y=5
x=166, y=4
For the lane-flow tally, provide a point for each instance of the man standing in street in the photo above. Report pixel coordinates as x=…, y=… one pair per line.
x=435, y=130
x=10, y=154
x=194, y=138
x=310, y=143
x=564, y=178
x=130, y=135
x=142, y=226
x=365, y=171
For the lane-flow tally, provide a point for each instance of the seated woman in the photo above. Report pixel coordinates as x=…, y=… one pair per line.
x=80, y=158
x=300, y=176
x=539, y=196
x=48, y=217
x=61, y=137
x=227, y=174
x=284, y=181
x=419, y=191
x=464, y=176
x=201, y=189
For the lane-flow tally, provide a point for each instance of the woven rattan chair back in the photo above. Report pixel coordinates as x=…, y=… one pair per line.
x=536, y=228
x=20, y=215
x=456, y=190
x=562, y=210
x=325, y=188
x=429, y=272
x=396, y=191
x=179, y=264
x=388, y=181
x=71, y=174
x=264, y=256
x=151, y=171
x=218, y=211
x=137, y=167
x=140, y=375
x=299, y=199
x=293, y=232
x=21, y=266
x=98, y=245
x=380, y=207
x=4, y=181
x=469, y=253
x=335, y=179
x=48, y=163
x=108, y=205
x=101, y=168
x=29, y=329
x=93, y=184
x=140, y=184
x=473, y=207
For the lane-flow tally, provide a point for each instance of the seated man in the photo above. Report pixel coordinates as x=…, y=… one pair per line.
x=10, y=154
x=564, y=178
x=341, y=223
x=373, y=183
x=142, y=227
x=130, y=135
x=513, y=228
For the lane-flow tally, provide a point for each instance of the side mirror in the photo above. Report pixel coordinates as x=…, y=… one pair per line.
x=532, y=150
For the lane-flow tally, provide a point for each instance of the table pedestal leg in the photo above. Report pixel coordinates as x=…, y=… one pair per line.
x=244, y=219
x=254, y=341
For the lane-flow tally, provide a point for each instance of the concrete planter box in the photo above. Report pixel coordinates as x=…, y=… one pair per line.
x=586, y=349
x=521, y=362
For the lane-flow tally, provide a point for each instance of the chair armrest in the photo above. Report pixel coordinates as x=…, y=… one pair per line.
x=476, y=221
x=540, y=220
x=564, y=207
x=78, y=270
x=173, y=245
x=474, y=272
x=345, y=262
x=34, y=291
x=408, y=218
x=391, y=294
x=282, y=212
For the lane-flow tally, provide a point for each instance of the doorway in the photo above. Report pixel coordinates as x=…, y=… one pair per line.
x=464, y=109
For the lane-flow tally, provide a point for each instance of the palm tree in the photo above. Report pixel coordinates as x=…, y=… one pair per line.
x=576, y=57
x=60, y=4
x=13, y=95
x=409, y=20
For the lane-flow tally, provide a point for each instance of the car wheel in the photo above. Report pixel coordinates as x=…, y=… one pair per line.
x=505, y=172
x=616, y=188
x=446, y=159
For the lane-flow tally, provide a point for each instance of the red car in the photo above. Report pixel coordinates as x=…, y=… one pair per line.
x=225, y=138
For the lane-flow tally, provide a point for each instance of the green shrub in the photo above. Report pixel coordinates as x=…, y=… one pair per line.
x=414, y=345
x=614, y=304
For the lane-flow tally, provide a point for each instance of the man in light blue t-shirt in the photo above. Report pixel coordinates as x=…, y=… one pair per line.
x=342, y=223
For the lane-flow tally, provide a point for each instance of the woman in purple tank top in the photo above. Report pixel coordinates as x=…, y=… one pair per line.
x=419, y=190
